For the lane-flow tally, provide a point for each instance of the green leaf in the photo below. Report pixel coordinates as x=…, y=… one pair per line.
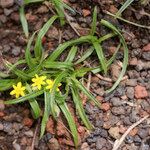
x=38, y=44
x=125, y=60
x=123, y=7
x=34, y=104
x=65, y=45
x=86, y=54
x=6, y=84
x=58, y=65
x=70, y=121
x=53, y=92
x=79, y=107
x=25, y=98
x=93, y=29
x=46, y=112
x=85, y=91
x=17, y=72
x=71, y=54
x=24, y=21
x=101, y=56
x=32, y=1
x=28, y=56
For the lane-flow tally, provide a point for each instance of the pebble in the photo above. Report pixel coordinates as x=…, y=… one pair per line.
x=16, y=50
x=118, y=110
x=145, y=144
x=1, y=127
x=100, y=143
x=29, y=133
x=3, y=18
x=146, y=47
x=85, y=146
x=129, y=139
x=130, y=92
x=146, y=56
x=105, y=106
x=6, y=3
x=143, y=133
x=114, y=132
x=7, y=12
x=116, y=101
x=53, y=144
x=140, y=92
x=137, y=140
x=131, y=82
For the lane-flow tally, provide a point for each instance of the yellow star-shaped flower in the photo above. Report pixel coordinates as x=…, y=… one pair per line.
x=38, y=81
x=18, y=90
x=50, y=85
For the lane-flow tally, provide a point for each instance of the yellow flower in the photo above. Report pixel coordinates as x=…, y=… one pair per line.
x=50, y=85
x=18, y=90
x=38, y=81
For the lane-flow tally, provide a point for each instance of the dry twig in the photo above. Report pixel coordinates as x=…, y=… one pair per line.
x=119, y=142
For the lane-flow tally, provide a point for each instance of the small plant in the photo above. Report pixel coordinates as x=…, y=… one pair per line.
x=53, y=81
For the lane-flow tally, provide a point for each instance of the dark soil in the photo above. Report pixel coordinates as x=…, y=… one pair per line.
x=127, y=104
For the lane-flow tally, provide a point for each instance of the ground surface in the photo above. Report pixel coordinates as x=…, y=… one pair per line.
x=120, y=109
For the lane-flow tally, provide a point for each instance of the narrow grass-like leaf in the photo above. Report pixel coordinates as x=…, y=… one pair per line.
x=101, y=56
x=65, y=45
x=109, y=62
x=125, y=60
x=53, y=92
x=58, y=65
x=79, y=107
x=70, y=121
x=46, y=112
x=17, y=72
x=28, y=56
x=38, y=44
x=93, y=25
x=24, y=21
x=72, y=54
x=34, y=104
x=85, y=91
x=32, y=1
x=123, y=7
x=3, y=75
x=86, y=54
x=6, y=84
x=25, y=98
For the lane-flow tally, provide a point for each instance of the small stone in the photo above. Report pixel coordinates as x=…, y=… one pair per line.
x=131, y=82
x=53, y=144
x=130, y=92
x=146, y=56
x=85, y=146
x=143, y=133
x=53, y=33
x=137, y=140
x=133, y=61
x=113, y=9
x=118, y=110
x=146, y=47
x=105, y=106
x=7, y=12
x=2, y=106
x=140, y=92
x=6, y=3
x=129, y=139
x=29, y=133
x=145, y=144
x=27, y=122
x=42, y=9
x=114, y=132
x=1, y=127
x=95, y=79
x=16, y=146
x=116, y=101
x=86, y=12
x=3, y=18
x=16, y=51
x=100, y=143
